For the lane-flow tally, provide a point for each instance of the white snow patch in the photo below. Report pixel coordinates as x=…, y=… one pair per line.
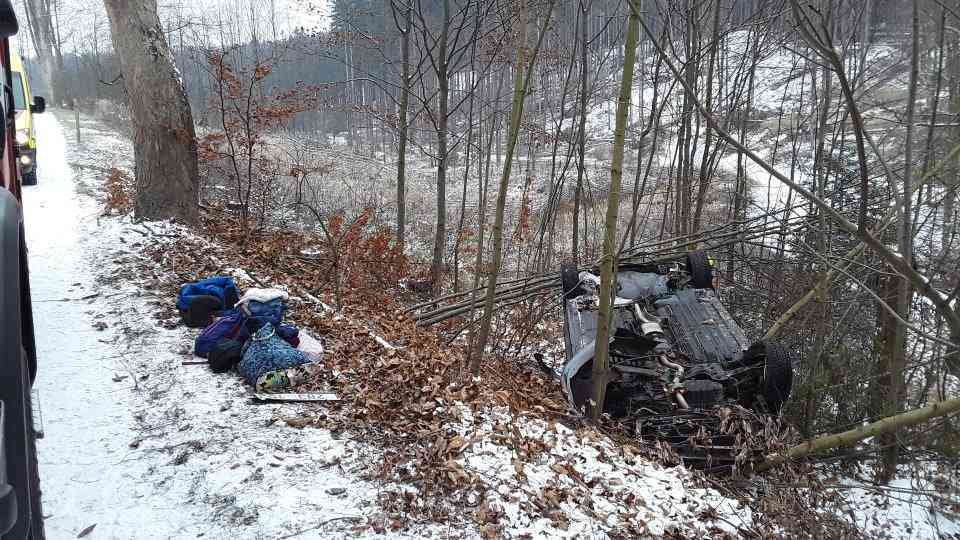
x=584, y=485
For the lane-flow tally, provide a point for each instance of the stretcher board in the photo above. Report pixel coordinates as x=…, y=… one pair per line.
x=304, y=397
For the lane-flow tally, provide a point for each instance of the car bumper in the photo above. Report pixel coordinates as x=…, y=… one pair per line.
x=27, y=160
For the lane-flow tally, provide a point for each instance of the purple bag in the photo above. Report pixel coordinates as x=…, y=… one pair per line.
x=231, y=326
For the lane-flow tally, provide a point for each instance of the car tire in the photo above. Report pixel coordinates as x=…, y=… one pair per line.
x=570, y=281
x=700, y=270
x=776, y=381
x=36, y=531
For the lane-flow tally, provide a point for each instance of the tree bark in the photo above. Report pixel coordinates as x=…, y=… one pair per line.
x=608, y=262
x=165, y=144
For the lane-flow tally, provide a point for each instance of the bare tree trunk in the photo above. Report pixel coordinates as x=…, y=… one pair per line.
x=46, y=44
x=891, y=348
x=952, y=182
x=463, y=194
x=165, y=145
x=581, y=129
x=608, y=262
x=483, y=183
x=847, y=438
x=404, y=105
x=443, y=81
x=687, y=142
x=894, y=338
x=521, y=82
x=705, y=161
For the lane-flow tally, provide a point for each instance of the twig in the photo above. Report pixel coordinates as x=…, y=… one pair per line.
x=255, y=279
x=319, y=525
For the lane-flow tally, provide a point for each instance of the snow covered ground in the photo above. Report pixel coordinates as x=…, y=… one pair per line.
x=902, y=509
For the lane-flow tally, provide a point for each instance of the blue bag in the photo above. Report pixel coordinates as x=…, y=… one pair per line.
x=231, y=326
x=266, y=351
x=221, y=287
x=271, y=312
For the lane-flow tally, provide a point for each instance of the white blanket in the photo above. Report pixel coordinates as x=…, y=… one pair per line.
x=262, y=295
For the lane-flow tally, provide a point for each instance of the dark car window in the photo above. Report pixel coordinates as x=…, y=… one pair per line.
x=19, y=99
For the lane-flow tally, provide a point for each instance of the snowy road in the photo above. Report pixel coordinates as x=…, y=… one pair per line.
x=85, y=418
x=136, y=443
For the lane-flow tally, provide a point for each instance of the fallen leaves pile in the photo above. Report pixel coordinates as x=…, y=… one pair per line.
x=497, y=449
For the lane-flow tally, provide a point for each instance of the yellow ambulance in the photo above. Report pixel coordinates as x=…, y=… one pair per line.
x=25, y=106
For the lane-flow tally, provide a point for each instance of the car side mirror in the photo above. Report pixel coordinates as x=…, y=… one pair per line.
x=39, y=105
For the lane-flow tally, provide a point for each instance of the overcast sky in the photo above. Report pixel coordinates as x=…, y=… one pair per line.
x=83, y=24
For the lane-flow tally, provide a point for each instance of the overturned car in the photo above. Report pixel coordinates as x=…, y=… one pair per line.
x=676, y=354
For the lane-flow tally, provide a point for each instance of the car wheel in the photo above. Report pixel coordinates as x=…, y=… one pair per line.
x=21, y=449
x=32, y=465
x=30, y=178
x=700, y=270
x=570, y=281
x=776, y=380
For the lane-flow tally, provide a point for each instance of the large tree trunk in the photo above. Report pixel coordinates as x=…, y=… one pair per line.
x=165, y=144
x=608, y=262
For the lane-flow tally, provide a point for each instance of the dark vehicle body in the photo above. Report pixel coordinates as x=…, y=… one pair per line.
x=675, y=350
x=20, y=512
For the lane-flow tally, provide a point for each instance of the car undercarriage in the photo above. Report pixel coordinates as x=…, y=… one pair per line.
x=676, y=356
